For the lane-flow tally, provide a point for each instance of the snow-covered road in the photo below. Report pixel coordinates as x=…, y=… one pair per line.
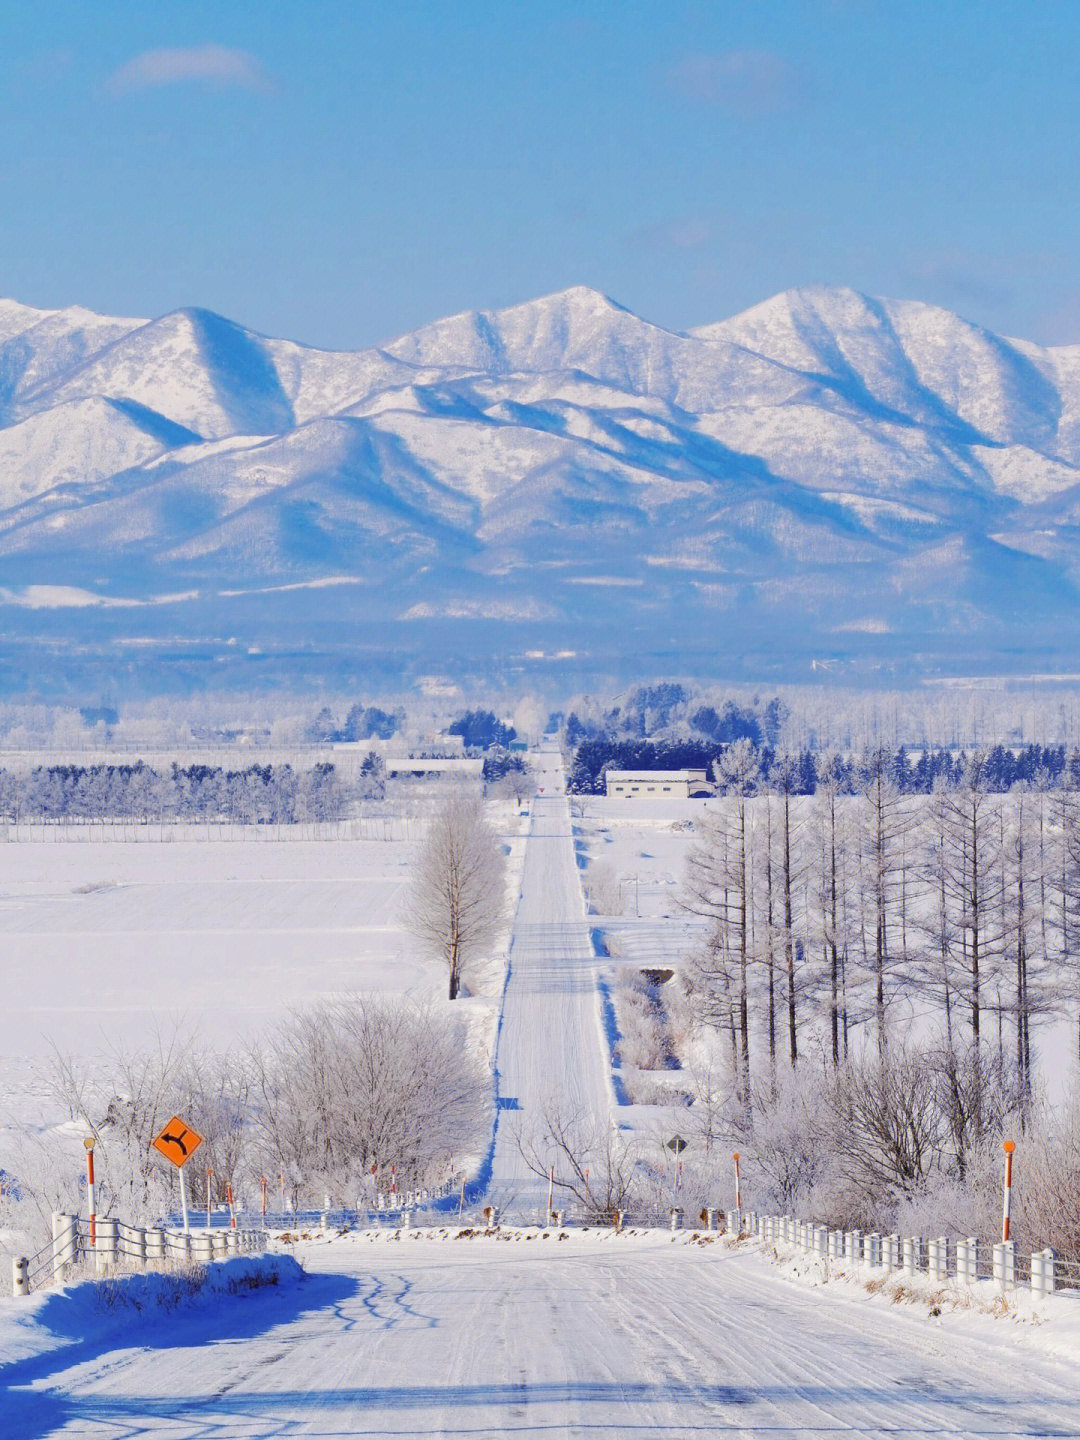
x=551, y=1049
x=596, y=1336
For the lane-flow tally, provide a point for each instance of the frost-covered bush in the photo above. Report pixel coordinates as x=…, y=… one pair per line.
x=362, y=1083
x=322, y=1098
x=643, y=1037
x=122, y=1102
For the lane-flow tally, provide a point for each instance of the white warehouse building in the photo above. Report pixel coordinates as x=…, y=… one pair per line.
x=675, y=784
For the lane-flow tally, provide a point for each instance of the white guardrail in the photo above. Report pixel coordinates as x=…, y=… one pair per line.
x=942, y=1259
x=112, y=1247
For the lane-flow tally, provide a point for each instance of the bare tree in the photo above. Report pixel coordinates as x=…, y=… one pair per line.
x=457, y=901
x=585, y=1157
x=785, y=782
x=890, y=1123
x=831, y=880
x=719, y=885
x=884, y=821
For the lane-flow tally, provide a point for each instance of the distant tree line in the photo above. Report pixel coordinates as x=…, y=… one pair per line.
x=481, y=729
x=362, y=722
x=650, y=710
x=498, y=763
x=258, y=795
x=802, y=773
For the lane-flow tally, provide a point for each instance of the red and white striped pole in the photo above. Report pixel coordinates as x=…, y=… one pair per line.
x=551, y=1191
x=232, y=1212
x=209, y=1178
x=738, y=1182
x=91, y=1201
x=1009, y=1147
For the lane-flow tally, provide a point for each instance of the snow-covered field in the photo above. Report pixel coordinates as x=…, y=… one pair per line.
x=598, y=1335
x=108, y=943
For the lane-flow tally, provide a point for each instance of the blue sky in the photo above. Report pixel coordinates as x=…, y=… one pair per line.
x=341, y=172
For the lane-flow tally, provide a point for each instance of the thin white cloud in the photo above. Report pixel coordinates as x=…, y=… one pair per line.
x=746, y=82
x=215, y=65
x=688, y=232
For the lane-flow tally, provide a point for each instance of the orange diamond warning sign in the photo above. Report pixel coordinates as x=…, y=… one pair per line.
x=178, y=1141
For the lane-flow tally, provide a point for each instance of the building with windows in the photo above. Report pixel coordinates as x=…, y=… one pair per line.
x=673, y=784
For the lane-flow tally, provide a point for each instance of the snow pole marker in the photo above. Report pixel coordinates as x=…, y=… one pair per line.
x=1009, y=1146
x=461, y=1202
x=551, y=1192
x=91, y=1202
x=262, y=1183
x=232, y=1212
x=738, y=1182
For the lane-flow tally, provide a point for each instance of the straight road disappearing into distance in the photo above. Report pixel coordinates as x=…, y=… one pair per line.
x=551, y=1051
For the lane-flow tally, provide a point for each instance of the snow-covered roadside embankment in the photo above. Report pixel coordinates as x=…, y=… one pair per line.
x=91, y=1310
x=1051, y=1321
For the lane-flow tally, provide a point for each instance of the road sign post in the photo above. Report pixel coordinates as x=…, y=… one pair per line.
x=677, y=1145
x=178, y=1142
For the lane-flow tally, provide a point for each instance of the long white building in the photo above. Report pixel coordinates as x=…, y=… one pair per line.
x=675, y=784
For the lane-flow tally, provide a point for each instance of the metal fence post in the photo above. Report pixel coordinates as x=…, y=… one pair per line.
x=941, y=1272
x=1043, y=1277
x=911, y=1258
x=65, y=1243
x=975, y=1250
x=1005, y=1264
x=107, y=1248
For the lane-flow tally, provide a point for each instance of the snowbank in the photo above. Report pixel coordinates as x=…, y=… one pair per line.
x=92, y=1310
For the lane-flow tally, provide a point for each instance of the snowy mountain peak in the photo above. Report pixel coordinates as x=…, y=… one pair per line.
x=561, y=464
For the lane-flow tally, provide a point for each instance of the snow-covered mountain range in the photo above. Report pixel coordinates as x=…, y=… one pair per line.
x=826, y=479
